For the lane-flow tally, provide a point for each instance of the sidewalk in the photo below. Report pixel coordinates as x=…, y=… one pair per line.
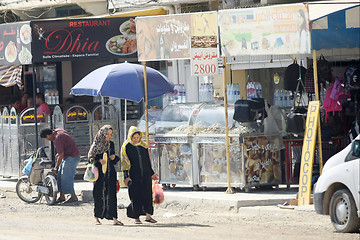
x=213, y=199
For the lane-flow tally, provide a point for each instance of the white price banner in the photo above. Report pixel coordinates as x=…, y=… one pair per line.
x=204, y=61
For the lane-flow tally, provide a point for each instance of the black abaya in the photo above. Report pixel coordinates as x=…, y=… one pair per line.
x=140, y=189
x=104, y=192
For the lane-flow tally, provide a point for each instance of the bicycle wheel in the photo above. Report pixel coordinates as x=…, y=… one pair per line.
x=25, y=191
x=50, y=183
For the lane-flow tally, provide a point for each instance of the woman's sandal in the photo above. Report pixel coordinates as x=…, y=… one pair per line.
x=151, y=220
x=97, y=223
x=118, y=223
x=137, y=221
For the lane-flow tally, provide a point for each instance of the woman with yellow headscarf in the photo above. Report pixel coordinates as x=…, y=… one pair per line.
x=138, y=176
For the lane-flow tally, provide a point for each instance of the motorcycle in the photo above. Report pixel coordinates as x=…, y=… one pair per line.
x=39, y=181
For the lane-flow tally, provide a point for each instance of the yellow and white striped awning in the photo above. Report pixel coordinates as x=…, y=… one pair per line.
x=10, y=75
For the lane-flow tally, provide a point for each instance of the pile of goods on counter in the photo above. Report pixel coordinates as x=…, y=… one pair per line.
x=217, y=128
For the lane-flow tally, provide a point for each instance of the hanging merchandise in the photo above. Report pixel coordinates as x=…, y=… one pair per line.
x=323, y=70
x=330, y=105
x=293, y=74
x=249, y=110
x=309, y=80
x=295, y=123
x=338, y=92
x=352, y=77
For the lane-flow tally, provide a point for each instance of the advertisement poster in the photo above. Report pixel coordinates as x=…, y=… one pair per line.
x=169, y=37
x=81, y=39
x=15, y=44
x=204, y=44
x=163, y=37
x=262, y=161
x=264, y=31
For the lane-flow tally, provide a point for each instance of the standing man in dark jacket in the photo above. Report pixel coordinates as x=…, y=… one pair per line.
x=68, y=157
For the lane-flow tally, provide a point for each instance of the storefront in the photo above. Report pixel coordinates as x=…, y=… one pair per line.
x=259, y=45
x=60, y=54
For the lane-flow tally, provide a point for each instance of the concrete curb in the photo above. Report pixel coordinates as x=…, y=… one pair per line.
x=193, y=203
x=214, y=200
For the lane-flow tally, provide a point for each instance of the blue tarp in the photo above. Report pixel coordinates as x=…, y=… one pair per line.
x=333, y=30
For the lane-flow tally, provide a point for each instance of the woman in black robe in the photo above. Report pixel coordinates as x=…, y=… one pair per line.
x=138, y=176
x=104, y=191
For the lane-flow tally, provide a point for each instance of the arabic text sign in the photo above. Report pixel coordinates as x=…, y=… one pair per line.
x=77, y=39
x=204, y=44
x=204, y=60
x=265, y=30
x=15, y=47
x=168, y=37
x=163, y=37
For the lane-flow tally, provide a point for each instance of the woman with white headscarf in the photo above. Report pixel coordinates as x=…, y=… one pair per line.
x=104, y=192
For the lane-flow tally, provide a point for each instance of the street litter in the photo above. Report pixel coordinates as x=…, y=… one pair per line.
x=2, y=195
x=286, y=205
x=169, y=215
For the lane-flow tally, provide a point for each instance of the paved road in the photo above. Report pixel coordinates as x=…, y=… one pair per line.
x=202, y=217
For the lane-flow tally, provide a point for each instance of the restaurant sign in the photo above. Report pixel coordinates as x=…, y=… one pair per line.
x=15, y=47
x=79, y=39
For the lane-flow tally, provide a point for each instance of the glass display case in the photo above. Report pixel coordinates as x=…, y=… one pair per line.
x=210, y=147
x=177, y=119
x=173, y=135
x=191, y=147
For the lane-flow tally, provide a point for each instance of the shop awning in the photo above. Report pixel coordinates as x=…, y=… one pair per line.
x=10, y=75
x=335, y=25
x=147, y=12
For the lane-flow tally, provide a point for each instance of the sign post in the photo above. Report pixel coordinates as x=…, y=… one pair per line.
x=307, y=154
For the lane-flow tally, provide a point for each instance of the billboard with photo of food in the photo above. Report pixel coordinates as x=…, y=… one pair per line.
x=81, y=39
x=15, y=44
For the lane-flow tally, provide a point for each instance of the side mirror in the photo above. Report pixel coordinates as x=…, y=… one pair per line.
x=356, y=148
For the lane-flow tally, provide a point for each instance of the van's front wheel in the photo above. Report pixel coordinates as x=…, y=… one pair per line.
x=343, y=212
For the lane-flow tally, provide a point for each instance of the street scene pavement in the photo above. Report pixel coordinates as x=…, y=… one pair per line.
x=185, y=214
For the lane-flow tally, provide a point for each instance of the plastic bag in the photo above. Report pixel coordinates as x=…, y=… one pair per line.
x=158, y=193
x=270, y=125
x=91, y=173
x=117, y=185
x=27, y=169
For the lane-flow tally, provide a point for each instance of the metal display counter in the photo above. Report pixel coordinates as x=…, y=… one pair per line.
x=173, y=136
x=261, y=160
x=210, y=148
x=191, y=147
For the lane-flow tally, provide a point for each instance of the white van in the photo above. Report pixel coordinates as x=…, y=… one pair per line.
x=337, y=191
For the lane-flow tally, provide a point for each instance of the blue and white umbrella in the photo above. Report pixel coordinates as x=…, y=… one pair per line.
x=125, y=81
